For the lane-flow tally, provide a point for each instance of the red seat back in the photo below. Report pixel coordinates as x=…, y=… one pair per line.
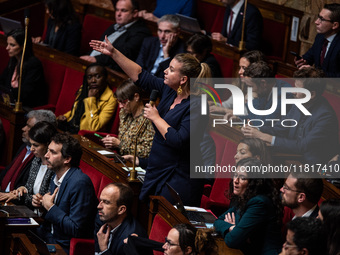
x=54, y=77
x=93, y=28
x=72, y=82
x=159, y=231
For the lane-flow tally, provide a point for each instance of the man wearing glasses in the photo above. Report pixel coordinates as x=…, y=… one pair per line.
x=304, y=236
x=325, y=52
x=302, y=193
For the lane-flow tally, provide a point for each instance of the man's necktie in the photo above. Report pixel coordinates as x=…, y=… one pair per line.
x=323, y=51
x=230, y=22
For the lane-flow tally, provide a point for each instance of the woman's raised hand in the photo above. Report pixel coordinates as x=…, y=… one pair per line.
x=105, y=48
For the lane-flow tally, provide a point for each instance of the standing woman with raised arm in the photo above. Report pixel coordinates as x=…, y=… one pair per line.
x=169, y=159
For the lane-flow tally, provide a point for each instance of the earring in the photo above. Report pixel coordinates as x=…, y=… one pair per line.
x=179, y=90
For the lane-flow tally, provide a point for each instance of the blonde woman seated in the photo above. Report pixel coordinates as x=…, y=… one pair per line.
x=131, y=118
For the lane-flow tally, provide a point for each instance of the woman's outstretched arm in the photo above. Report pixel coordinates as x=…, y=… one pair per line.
x=128, y=66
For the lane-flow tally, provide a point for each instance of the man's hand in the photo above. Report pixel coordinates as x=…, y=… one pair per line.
x=89, y=58
x=299, y=62
x=219, y=37
x=37, y=200
x=103, y=238
x=105, y=48
x=251, y=132
x=169, y=44
x=48, y=199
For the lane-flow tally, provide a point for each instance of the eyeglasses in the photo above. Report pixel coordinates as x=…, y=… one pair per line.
x=285, y=187
x=169, y=244
x=240, y=176
x=322, y=19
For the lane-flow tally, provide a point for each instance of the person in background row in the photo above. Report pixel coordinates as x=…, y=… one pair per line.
x=163, y=7
x=94, y=106
x=130, y=119
x=246, y=60
x=181, y=239
x=329, y=214
x=315, y=136
x=40, y=176
x=157, y=52
x=325, y=51
x=127, y=34
x=304, y=237
x=33, y=86
x=301, y=192
x=63, y=30
x=253, y=221
x=200, y=46
x=16, y=173
x=232, y=25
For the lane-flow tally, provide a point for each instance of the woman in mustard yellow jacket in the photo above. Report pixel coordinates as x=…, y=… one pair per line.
x=94, y=106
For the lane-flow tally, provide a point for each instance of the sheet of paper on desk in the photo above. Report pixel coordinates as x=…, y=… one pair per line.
x=33, y=223
x=104, y=152
x=138, y=169
x=196, y=209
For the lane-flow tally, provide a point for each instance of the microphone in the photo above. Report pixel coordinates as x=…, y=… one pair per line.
x=18, y=104
x=133, y=172
x=153, y=97
x=27, y=16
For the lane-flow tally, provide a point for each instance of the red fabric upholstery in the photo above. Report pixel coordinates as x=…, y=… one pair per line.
x=159, y=231
x=273, y=38
x=226, y=65
x=54, y=77
x=93, y=28
x=207, y=23
x=72, y=82
x=225, y=151
x=94, y=175
x=79, y=246
x=6, y=125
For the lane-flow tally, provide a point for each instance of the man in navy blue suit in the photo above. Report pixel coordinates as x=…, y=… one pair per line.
x=315, y=136
x=232, y=25
x=115, y=222
x=325, y=52
x=70, y=206
x=156, y=53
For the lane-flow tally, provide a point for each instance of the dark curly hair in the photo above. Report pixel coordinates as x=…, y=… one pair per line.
x=256, y=186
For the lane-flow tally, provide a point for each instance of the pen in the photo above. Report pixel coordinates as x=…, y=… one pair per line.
x=99, y=136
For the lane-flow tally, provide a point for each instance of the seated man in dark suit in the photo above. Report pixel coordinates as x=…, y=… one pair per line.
x=156, y=53
x=315, y=136
x=70, y=206
x=126, y=35
x=301, y=193
x=304, y=236
x=325, y=52
x=232, y=25
x=16, y=173
x=115, y=222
